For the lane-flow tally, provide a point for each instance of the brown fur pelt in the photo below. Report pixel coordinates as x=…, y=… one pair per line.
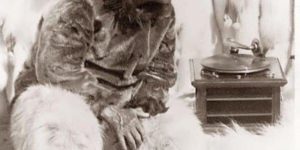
x=149, y=105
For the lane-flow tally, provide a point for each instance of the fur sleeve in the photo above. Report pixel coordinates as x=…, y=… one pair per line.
x=65, y=37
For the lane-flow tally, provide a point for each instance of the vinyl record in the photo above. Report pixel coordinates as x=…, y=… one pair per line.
x=235, y=63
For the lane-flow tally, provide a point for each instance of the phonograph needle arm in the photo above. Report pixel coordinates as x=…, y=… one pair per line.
x=232, y=43
x=254, y=47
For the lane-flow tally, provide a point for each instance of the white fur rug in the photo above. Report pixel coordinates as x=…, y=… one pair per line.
x=278, y=137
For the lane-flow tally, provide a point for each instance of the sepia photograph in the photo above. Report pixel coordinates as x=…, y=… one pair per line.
x=149, y=75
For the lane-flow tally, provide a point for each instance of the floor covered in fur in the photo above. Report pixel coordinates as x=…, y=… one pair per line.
x=277, y=137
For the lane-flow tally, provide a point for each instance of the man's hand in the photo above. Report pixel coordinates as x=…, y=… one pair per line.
x=127, y=126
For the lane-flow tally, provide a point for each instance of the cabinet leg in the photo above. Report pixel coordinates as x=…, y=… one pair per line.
x=201, y=105
x=276, y=104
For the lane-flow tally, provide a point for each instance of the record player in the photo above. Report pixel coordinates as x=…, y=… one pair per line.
x=240, y=87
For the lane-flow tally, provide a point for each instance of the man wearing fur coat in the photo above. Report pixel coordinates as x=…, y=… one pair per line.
x=117, y=56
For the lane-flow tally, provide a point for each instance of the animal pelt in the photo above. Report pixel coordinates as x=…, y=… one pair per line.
x=3, y=58
x=198, y=37
x=177, y=129
x=150, y=105
x=238, y=19
x=48, y=118
x=276, y=28
x=4, y=70
x=3, y=80
x=19, y=20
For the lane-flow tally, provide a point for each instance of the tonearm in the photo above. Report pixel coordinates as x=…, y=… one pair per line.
x=255, y=47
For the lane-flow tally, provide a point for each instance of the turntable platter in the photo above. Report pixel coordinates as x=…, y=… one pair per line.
x=235, y=63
